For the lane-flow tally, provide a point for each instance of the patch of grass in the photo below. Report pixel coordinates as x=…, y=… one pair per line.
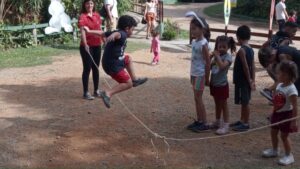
x=217, y=11
x=184, y=34
x=41, y=55
x=32, y=56
x=134, y=46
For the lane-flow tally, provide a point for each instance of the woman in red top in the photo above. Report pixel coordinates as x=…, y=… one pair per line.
x=90, y=44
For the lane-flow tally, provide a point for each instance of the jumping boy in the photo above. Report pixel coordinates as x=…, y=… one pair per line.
x=114, y=60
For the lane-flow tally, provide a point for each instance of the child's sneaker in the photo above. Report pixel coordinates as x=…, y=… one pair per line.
x=139, y=81
x=242, y=127
x=154, y=63
x=286, y=160
x=267, y=94
x=203, y=127
x=106, y=99
x=237, y=123
x=97, y=93
x=269, y=153
x=223, y=130
x=88, y=96
x=194, y=124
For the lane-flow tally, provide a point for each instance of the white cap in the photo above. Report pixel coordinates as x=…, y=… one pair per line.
x=193, y=14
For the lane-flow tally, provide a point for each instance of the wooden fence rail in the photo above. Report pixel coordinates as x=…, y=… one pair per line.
x=35, y=33
x=256, y=34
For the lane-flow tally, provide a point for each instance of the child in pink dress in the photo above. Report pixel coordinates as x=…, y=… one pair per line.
x=155, y=47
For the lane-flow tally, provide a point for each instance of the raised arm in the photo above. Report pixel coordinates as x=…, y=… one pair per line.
x=95, y=32
x=221, y=64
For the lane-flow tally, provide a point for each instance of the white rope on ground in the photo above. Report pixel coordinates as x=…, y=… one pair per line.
x=188, y=139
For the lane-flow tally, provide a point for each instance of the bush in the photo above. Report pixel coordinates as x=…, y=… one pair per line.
x=169, y=35
x=171, y=30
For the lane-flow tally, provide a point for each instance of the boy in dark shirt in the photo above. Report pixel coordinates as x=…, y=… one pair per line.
x=114, y=60
x=243, y=77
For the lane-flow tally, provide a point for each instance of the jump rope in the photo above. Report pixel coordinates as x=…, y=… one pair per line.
x=165, y=139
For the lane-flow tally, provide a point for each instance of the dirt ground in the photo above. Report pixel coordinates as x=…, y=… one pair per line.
x=45, y=123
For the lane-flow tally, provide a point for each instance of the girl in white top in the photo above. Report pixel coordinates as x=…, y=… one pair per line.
x=150, y=15
x=285, y=107
x=200, y=68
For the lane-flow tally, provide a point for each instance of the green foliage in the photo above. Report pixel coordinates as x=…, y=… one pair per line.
x=57, y=39
x=171, y=30
x=261, y=9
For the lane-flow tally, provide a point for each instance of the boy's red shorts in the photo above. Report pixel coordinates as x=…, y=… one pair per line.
x=122, y=76
x=220, y=92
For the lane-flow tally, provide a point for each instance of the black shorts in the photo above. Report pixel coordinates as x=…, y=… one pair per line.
x=242, y=94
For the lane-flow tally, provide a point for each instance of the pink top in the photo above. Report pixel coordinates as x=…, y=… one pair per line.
x=292, y=19
x=155, y=44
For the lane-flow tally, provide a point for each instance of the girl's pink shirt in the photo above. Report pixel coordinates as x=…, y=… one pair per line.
x=155, y=44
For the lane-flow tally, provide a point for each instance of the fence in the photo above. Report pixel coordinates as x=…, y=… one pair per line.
x=34, y=27
x=256, y=34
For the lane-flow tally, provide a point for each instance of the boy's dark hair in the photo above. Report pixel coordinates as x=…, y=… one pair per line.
x=243, y=32
x=228, y=40
x=290, y=68
x=291, y=25
x=264, y=55
x=83, y=10
x=206, y=31
x=292, y=12
x=126, y=21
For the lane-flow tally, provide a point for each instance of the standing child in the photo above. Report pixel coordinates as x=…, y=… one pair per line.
x=155, y=47
x=200, y=68
x=243, y=77
x=293, y=16
x=114, y=60
x=219, y=87
x=285, y=107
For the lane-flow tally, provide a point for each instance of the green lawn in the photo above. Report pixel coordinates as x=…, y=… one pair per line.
x=217, y=11
x=26, y=57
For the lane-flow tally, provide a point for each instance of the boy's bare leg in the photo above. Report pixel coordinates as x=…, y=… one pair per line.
x=130, y=69
x=245, y=113
x=119, y=88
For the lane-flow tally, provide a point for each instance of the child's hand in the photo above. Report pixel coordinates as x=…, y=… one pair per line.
x=86, y=29
x=253, y=86
x=216, y=53
x=150, y=51
x=294, y=125
x=207, y=82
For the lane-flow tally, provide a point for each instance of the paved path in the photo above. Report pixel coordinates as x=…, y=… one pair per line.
x=176, y=13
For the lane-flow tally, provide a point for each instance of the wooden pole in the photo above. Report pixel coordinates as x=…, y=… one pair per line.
x=271, y=19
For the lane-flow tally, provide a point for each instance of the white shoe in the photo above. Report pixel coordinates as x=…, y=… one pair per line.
x=286, y=160
x=223, y=130
x=268, y=153
x=216, y=124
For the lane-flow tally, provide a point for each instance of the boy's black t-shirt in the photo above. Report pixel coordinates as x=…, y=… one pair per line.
x=113, y=56
x=239, y=77
x=278, y=38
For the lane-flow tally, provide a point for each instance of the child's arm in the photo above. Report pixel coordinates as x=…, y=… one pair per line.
x=206, y=56
x=241, y=53
x=114, y=36
x=293, y=100
x=95, y=32
x=253, y=75
x=221, y=64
